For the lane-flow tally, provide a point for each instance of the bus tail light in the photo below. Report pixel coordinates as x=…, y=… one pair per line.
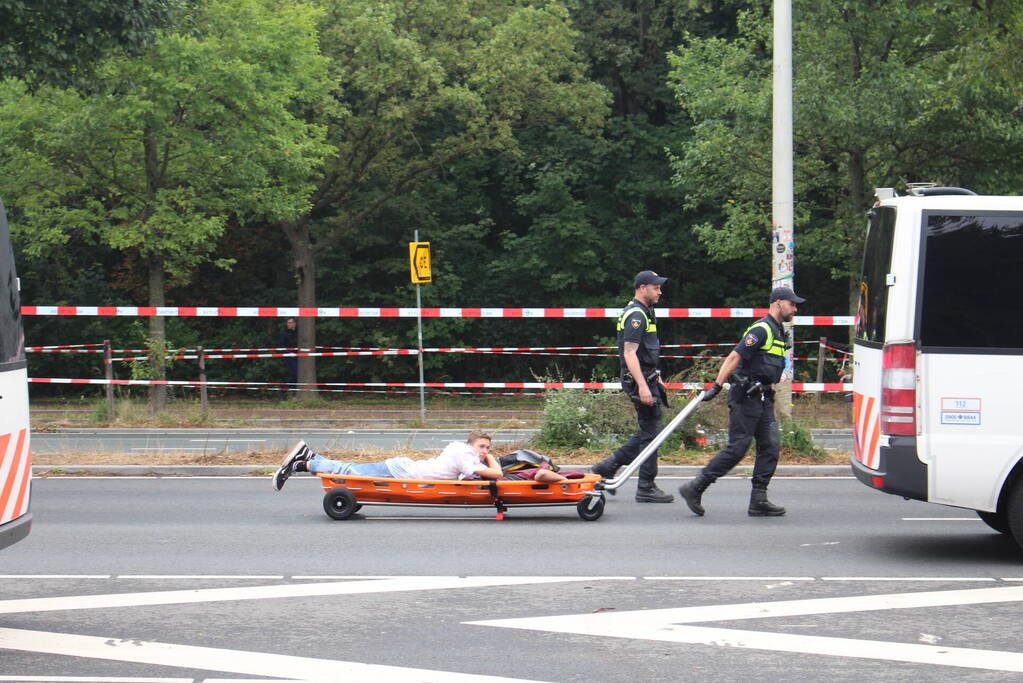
x=898, y=390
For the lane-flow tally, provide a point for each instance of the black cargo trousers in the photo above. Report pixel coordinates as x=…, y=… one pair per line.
x=649, y=418
x=751, y=416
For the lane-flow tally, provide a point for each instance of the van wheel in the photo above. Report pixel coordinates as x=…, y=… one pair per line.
x=997, y=521
x=1014, y=513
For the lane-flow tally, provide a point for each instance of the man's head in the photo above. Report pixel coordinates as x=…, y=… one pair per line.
x=291, y=323
x=480, y=442
x=648, y=287
x=784, y=304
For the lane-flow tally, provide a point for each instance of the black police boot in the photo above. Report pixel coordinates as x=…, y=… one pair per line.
x=692, y=493
x=760, y=506
x=606, y=468
x=647, y=492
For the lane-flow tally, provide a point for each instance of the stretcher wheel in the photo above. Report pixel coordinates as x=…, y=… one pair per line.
x=591, y=508
x=339, y=503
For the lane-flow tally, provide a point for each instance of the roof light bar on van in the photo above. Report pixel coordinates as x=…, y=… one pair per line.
x=898, y=390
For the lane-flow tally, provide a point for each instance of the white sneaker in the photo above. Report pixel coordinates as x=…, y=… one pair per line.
x=299, y=453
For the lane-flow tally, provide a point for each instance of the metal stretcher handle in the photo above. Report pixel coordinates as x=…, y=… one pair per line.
x=613, y=484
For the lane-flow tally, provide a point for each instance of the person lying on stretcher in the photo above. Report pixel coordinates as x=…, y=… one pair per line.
x=470, y=459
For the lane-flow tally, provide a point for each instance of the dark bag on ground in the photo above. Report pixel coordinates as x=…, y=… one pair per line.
x=525, y=459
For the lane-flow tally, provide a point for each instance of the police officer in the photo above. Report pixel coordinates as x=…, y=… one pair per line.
x=640, y=350
x=752, y=367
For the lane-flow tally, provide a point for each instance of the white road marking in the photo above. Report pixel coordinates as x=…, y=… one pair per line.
x=435, y=518
x=99, y=679
x=153, y=477
x=197, y=577
x=239, y=440
x=669, y=625
x=910, y=578
x=122, y=679
x=940, y=519
x=225, y=661
x=729, y=578
x=165, y=449
x=365, y=577
x=338, y=577
x=180, y=597
x=55, y=576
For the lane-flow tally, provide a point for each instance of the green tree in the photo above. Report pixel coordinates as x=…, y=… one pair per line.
x=421, y=86
x=172, y=144
x=58, y=42
x=883, y=94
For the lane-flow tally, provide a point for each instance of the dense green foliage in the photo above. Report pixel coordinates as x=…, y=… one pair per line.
x=602, y=421
x=58, y=41
x=282, y=152
x=884, y=94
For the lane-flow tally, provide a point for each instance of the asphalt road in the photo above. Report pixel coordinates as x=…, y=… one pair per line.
x=209, y=579
x=96, y=440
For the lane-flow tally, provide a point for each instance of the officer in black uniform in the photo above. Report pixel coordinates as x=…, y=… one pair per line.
x=756, y=363
x=640, y=352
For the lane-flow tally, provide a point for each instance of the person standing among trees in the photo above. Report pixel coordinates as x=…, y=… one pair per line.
x=753, y=366
x=288, y=343
x=640, y=350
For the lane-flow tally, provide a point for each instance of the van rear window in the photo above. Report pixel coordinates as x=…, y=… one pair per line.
x=973, y=266
x=877, y=261
x=11, y=342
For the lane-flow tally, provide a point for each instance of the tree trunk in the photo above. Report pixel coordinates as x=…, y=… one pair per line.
x=157, y=337
x=304, y=263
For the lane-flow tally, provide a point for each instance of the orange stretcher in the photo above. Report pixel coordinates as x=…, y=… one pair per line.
x=345, y=495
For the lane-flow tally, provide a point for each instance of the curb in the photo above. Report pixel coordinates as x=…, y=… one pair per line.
x=265, y=470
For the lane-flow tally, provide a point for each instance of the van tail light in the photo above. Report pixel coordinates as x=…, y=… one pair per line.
x=898, y=390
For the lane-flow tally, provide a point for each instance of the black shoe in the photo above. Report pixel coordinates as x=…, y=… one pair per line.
x=606, y=468
x=760, y=506
x=651, y=494
x=692, y=494
x=300, y=453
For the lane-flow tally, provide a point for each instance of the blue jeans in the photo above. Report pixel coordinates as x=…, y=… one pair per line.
x=318, y=463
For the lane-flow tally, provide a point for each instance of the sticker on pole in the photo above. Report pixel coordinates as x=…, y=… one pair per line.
x=419, y=262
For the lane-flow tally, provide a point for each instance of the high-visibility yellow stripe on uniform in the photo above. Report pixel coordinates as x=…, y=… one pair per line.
x=650, y=326
x=775, y=347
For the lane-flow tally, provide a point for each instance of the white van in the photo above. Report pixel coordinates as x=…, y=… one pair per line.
x=938, y=354
x=15, y=454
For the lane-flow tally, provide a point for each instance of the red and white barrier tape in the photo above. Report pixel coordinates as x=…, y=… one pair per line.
x=383, y=312
x=434, y=392
x=40, y=349
x=799, y=387
x=44, y=349
x=390, y=352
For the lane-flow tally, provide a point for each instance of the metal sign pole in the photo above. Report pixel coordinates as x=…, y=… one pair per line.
x=419, y=320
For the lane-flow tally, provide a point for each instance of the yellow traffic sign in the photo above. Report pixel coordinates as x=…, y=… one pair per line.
x=419, y=262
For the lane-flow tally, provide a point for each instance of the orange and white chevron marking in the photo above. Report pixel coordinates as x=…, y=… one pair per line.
x=15, y=470
x=866, y=430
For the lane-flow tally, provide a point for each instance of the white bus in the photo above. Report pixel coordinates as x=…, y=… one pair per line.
x=938, y=353
x=15, y=454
